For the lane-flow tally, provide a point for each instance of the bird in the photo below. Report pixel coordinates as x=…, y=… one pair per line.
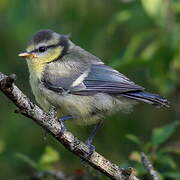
x=77, y=83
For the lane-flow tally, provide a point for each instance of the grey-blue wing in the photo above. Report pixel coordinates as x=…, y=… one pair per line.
x=102, y=78
x=99, y=78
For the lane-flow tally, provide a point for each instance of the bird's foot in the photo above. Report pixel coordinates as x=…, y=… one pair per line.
x=89, y=141
x=90, y=147
x=62, y=120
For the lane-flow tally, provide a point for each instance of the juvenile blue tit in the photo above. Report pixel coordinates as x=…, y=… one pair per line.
x=77, y=83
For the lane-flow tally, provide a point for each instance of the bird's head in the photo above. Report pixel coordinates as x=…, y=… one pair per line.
x=46, y=46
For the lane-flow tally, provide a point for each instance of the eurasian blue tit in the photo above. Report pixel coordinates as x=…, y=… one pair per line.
x=77, y=83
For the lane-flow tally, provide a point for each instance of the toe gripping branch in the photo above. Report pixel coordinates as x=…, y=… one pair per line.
x=62, y=120
x=89, y=140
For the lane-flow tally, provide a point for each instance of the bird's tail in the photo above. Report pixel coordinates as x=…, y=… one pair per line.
x=149, y=98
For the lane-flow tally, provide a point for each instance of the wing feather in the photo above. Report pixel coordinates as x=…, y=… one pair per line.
x=99, y=78
x=102, y=78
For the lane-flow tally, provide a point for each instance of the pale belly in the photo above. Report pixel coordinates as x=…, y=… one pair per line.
x=85, y=110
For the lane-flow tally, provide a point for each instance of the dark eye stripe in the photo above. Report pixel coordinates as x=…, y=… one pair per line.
x=47, y=47
x=63, y=42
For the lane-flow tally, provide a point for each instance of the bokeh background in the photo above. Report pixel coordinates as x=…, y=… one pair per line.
x=140, y=38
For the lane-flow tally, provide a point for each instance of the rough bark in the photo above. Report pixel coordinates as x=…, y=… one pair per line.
x=51, y=124
x=149, y=167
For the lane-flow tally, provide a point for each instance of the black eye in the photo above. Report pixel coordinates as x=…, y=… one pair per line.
x=42, y=48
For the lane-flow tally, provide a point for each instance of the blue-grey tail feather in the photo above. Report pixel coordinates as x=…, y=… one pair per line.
x=147, y=98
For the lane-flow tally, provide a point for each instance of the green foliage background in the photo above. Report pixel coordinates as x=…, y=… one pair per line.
x=140, y=38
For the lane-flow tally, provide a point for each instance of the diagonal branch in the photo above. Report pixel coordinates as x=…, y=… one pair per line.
x=149, y=167
x=50, y=123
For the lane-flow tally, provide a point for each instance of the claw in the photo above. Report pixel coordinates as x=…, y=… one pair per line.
x=88, y=142
x=91, y=148
x=62, y=120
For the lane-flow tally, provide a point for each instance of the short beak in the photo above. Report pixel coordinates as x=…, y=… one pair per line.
x=27, y=55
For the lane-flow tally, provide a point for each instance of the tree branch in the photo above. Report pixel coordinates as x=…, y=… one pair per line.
x=149, y=167
x=51, y=124
x=57, y=175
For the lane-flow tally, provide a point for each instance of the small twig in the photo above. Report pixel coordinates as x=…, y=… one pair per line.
x=149, y=167
x=57, y=175
x=51, y=124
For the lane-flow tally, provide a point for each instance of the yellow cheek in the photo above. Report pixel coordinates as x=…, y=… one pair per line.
x=38, y=64
x=51, y=55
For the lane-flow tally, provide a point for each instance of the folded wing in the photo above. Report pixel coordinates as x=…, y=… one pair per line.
x=102, y=78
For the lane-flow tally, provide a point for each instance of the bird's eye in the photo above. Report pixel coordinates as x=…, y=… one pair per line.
x=42, y=48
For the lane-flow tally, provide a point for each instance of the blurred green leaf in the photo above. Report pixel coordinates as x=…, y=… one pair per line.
x=123, y=16
x=49, y=156
x=147, y=147
x=160, y=135
x=155, y=9
x=172, y=148
x=134, y=45
x=174, y=175
x=134, y=139
x=27, y=160
x=176, y=64
x=176, y=6
x=117, y=19
x=166, y=161
x=3, y=4
x=150, y=50
x=139, y=168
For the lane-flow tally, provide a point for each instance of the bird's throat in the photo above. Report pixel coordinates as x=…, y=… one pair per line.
x=36, y=69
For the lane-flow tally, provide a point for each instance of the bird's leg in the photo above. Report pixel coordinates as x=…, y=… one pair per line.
x=62, y=120
x=53, y=113
x=89, y=140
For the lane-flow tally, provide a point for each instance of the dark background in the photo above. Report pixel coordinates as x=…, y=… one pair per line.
x=139, y=38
